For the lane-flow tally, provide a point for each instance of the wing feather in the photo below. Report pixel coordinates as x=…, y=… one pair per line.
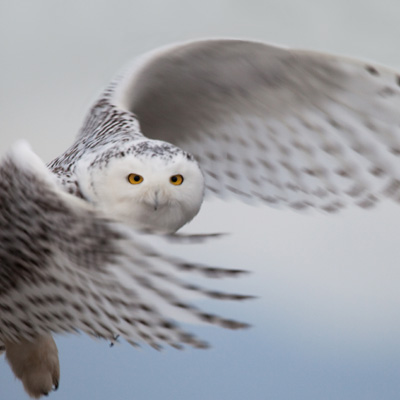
x=66, y=268
x=287, y=127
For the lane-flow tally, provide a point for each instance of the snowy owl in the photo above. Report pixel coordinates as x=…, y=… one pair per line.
x=78, y=238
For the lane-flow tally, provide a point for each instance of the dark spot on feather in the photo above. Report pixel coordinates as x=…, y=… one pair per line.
x=232, y=174
x=331, y=208
x=294, y=171
x=92, y=310
x=168, y=325
x=249, y=163
x=111, y=316
x=77, y=307
x=212, y=189
x=261, y=145
x=185, y=266
x=231, y=324
x=96, y=297
x=376, y=171
x=368, y=202
x=310, y=172
x=300, y=205
x=123, y=332
x=266, y=164
x=267, y=199
x=243, y=142
x=212, y=174
x=189, y=286
x=67, y=316
x=335, y=124
x=133, y=343
x=207, y=317
x=253, y=179
x=307, y=124
x=395, y=151
x=186, y=337
x=237, y=191
x=143, y=322
x=320, y=192
x=393, y=188
x=372, y=70
x=293, y=187
x=28, y=324
x=230, y=157
x=146, y=308
x=211, y=156
x=145, y=336
x=332, y=148
x=181, y=305
x=129, y=320
x=356, y=190
x=387, y=92
x=106, y=329
x=342, y=172
x=302, y=147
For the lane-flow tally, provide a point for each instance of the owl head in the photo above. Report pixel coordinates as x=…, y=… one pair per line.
x=150, y=185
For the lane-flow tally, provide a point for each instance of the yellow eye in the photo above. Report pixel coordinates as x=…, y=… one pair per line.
x=176, y=179
x=135, y=179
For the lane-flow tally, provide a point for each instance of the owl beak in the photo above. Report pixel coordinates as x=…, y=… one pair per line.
x=156, y=204
x=154, y=199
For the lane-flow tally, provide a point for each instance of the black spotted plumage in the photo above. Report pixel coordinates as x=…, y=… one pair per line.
x=65, y=267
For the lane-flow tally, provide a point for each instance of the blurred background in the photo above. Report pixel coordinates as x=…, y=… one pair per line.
x=327, y=321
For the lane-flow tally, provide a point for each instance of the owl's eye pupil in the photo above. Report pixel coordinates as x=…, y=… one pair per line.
x=135, y=179
x=176, y=180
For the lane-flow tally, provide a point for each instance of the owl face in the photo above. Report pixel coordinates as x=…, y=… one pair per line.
x=158, y=193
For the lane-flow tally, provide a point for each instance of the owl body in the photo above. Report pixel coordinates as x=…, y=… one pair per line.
x=226, y=118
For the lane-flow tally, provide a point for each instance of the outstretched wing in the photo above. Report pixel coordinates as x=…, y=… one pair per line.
x=283, y=126
x=64, y=267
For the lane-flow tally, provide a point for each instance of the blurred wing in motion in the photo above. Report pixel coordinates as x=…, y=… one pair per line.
x=287, y=127
x=64, y=267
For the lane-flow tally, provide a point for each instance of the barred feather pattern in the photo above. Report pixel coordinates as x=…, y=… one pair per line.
x=67, y=268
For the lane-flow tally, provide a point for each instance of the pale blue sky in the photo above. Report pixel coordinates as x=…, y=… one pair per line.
x=327, y=323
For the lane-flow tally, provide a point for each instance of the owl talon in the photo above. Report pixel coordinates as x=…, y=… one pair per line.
x=35, y=363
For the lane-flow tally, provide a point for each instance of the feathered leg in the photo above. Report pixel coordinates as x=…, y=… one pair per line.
x=35, y=363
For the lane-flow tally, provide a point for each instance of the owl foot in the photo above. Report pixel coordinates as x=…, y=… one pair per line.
x=36, y=364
